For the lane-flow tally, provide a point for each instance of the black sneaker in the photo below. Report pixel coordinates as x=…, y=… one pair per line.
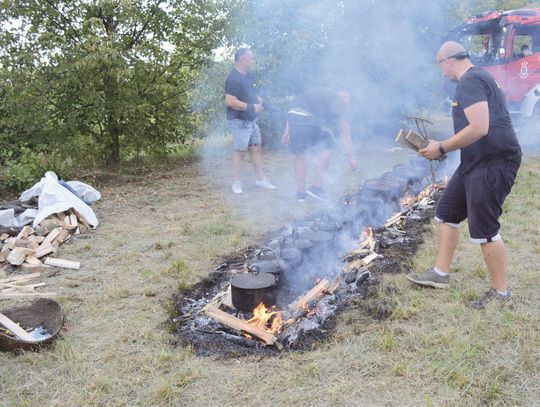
x=301, y=196
x=318, y=193
x=490, y=296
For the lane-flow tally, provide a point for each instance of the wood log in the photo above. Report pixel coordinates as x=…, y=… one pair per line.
x=416, y=140
x=28, y=244
x=61, y=238
x=11, y=287
x=368, y=259
x=66, y=264
x=236, y=323
x=18, y=255
x=354, y=264
x=3, y=236
x=47, y=226
x=83, y=224
x=16, y=329
x=334, y=284
x=400, y=138
x=25, y=232
x=73, y=221
x=9, y=231
x=44, y=250
x=4, y=253
x=311, y=296
x=51, y=236
x=20, y=278
x=33, y=261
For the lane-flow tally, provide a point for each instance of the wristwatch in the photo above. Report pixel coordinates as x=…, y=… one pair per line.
x=441, y=149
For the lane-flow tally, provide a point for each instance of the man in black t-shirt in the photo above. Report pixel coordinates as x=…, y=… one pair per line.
x=490, y=159
x=313, y=120
x=243, y=104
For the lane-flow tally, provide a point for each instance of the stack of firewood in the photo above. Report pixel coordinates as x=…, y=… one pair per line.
x=33, y=248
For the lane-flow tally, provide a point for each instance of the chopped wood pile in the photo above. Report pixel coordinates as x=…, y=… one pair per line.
x=33, y=249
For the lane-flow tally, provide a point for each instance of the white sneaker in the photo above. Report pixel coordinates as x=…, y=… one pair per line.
x=264, y=183
x=237, y=187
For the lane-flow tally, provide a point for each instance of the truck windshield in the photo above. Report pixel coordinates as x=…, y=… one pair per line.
x=484, y=41
x=526, y=41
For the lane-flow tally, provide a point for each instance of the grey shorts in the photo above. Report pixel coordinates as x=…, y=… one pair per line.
x=245, y=133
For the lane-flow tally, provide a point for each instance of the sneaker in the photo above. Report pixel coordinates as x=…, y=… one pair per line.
x=489, y=296
x=264, y=183
x=430, y=278
x=318, y=193
x=301, y=196
x=237, y=187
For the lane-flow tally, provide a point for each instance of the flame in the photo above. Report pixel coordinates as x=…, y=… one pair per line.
x=261, y=319
x=407, y=200
x=366, y=239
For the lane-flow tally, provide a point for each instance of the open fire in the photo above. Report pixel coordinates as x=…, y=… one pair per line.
x=283, y=322
x=267, y=319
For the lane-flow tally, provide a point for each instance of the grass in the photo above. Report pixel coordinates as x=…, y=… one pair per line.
x=432, y=350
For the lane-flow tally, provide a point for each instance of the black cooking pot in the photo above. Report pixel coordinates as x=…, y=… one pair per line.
x=326, y=223
x=267, y=261
x=320, y=238
x=291, y=255
x=248, y=290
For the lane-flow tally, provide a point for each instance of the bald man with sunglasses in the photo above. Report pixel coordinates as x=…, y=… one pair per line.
x=490, y=158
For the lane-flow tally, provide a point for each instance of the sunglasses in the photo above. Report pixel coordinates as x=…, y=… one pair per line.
x=459, y=56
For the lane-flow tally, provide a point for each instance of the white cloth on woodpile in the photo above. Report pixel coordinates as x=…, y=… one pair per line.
x=53, y=197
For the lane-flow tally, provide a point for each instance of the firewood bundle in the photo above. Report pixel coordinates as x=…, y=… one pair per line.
x=33, y=248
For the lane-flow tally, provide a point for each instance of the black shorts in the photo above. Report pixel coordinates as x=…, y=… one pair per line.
x=478, y=196
x=306, y=131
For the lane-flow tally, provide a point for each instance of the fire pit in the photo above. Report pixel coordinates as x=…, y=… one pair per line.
x=238, y=311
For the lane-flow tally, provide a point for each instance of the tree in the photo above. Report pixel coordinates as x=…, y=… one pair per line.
x=103, y=79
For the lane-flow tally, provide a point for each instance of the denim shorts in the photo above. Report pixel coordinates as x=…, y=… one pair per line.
x=245, y=133
x=478, y=196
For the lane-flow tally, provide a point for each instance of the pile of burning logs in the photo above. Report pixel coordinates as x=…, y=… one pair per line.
x=33, y=249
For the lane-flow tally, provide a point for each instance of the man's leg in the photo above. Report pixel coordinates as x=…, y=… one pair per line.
x=495, y=258
x=238, y=158
x=448, y=241
x=256, y=160
x=300, y=171
x=322, y=166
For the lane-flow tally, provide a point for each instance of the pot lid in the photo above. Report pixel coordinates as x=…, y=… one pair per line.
x=250, y=281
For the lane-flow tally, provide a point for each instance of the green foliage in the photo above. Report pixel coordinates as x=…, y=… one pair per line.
x=103, y=80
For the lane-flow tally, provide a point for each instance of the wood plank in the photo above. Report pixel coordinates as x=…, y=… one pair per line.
x=51, y=236
x=33, y=261
x=400, y=138
x=368, y=259
x=311, y=295
x=17, y=256
x=73, y=221
x=44, y=250
x=416, y=140
x=24, y=277
x=16, y=329
x=25, y=232
x=237, y=323
x=4, y=236
x=4, y=253
x=62, y=263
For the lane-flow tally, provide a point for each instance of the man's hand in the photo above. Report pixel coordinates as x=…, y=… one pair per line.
x=258, y=108
x=431, y=152
x=286, y=139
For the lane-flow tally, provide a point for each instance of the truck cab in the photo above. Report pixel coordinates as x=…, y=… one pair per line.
x=507, y=45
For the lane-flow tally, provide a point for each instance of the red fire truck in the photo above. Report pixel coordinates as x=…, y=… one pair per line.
x=507, y=44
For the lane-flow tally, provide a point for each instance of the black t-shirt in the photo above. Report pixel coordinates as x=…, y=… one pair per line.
x=324, y=103
x=243, y=87
x=500, y=144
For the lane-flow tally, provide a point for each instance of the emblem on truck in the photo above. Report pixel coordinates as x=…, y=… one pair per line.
x=524, y=72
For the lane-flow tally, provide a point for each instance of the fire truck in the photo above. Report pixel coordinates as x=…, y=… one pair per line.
x=507, y=44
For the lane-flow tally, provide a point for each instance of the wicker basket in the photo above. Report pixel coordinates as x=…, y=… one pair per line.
x=42, y=312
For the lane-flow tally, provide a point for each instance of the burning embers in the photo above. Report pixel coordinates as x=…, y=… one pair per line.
x=266, y=319
x=269, y=301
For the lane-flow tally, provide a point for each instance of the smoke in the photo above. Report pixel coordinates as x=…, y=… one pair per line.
x=383, y=52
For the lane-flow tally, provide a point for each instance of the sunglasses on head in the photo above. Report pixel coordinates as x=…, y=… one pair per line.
x=459, y=56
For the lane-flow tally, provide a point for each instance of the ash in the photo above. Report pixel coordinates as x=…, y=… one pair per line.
x=353, y=285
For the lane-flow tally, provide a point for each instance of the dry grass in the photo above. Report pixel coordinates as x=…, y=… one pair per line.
x=160, y=235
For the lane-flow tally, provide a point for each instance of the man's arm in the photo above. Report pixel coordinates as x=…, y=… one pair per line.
x=286, y=139
x=478, y=118
x=347, y=141
x=234, y=103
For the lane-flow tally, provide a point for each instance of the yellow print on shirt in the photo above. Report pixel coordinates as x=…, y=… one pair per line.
x=454, y=103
